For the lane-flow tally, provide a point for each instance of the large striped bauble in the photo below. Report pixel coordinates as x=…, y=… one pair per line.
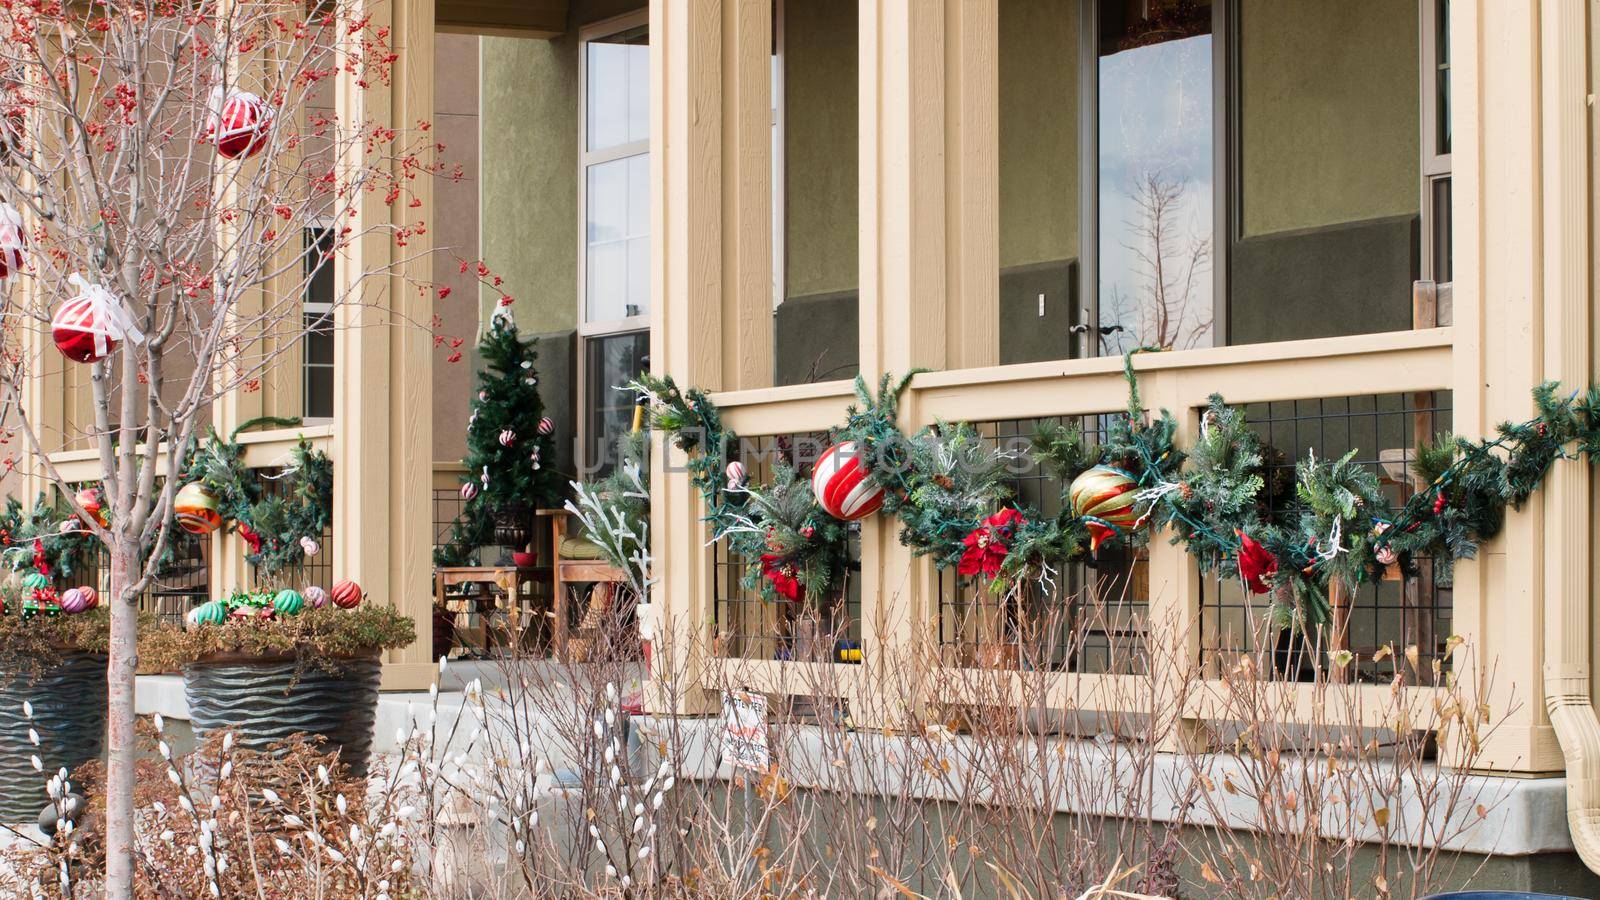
x=240, y=127
x=195, y=508
x=12, y=239
x=1106, y=497
x=841, y=483
x=346, y=595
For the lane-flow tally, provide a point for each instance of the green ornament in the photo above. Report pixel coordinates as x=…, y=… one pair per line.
x=213, y=613
x=34, y=581
x=289, y=602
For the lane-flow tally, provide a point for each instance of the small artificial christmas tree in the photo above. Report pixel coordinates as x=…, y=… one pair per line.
x=510, y=446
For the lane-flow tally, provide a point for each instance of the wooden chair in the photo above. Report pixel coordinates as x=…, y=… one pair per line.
x=570, y=566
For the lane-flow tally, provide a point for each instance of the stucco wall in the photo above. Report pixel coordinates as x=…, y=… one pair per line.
x=1330, y=120
x=530, y=187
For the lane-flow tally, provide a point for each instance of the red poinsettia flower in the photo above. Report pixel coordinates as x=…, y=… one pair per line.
x=1256, y=564
x=988, y=544
x=782, y=573
x=250, y=537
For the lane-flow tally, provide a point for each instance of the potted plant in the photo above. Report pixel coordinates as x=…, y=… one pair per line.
x=269, y=665
x=52, y=687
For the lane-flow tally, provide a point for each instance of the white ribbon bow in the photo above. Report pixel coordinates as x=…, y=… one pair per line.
x=99, y=312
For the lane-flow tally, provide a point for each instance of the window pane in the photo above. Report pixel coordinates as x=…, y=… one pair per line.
x=618, y=236
x=611, y=362
x=1442, y=86
x=619, y=89
x=319, y=265
x=1155, y=181
x=319, y=339
x=1330, y=171
x=1039, y=178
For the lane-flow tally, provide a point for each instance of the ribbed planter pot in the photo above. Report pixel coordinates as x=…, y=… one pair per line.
x=69, y=712
x=266, y=701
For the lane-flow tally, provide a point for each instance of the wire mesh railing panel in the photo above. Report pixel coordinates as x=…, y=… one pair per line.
x=1400, y=611
x=181, y=581
x=1089, y=617
x=750, y=627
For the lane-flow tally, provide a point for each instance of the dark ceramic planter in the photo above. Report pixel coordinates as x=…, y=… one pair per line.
x=266, y=701
x=69, y=712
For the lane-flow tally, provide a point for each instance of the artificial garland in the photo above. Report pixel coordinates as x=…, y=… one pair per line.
x=792, y=550
x=947, y=488
x=283, y=528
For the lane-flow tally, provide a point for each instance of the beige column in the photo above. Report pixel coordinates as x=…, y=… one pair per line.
x=382, y=446
x=711, y=274
x=929, y=263
x=1506, y=335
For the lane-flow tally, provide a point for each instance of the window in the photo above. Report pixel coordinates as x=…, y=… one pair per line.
x=1435, y=90
x=1249, y=170
x=614, y=229
x=616, y=176
x=317, y=350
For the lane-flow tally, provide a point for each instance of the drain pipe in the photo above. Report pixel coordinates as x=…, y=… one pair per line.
x=1568, y=287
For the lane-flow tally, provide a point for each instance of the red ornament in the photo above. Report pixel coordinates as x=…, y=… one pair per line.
x=781, y=573
x=88, y=327
x=240, y=127
x=547, y=425
x=988, y=544
x=1438, y=503
x=12, y=240
x=1256, y=564
x=842, y=484
x=346, y=595
x=89, y=499
x=1105, y=497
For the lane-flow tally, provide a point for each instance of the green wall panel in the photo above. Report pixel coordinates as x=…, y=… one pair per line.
x=1038, y=131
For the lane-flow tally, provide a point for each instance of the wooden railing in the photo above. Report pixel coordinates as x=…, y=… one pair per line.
x=1377, y=364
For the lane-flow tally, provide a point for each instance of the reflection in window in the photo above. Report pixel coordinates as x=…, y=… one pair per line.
x=317, y=350
x=611, y=361
x=1155, y=174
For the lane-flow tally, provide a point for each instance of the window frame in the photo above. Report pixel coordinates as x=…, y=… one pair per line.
x=586, y=159
x=309, y=307
x=589, y=158
x=1435, y=165
x=1224, y=204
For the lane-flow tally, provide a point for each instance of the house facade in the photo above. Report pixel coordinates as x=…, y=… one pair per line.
x=1366, y=222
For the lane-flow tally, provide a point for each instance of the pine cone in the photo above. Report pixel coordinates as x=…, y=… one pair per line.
x=944, y=481
x=1184, y=490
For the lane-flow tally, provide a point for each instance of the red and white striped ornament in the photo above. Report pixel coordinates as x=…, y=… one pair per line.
x=12, y=240
x=468, y=490
x=547, y=425
x=88, y=327
x=508, y=437
x=736, y=475
x=239, y=128
x=841, y=483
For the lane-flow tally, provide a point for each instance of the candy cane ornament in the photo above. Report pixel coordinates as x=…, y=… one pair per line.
x=89, y=327
x=240, y=125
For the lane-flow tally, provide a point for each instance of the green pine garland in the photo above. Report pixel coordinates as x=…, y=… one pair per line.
x=944, y=484
x=301, y=507
x=791, y=549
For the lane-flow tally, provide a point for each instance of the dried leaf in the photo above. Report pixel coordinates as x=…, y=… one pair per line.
x=1380, y=817
x=1209, y=873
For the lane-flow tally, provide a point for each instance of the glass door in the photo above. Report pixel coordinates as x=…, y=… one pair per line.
x=1151, y=175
